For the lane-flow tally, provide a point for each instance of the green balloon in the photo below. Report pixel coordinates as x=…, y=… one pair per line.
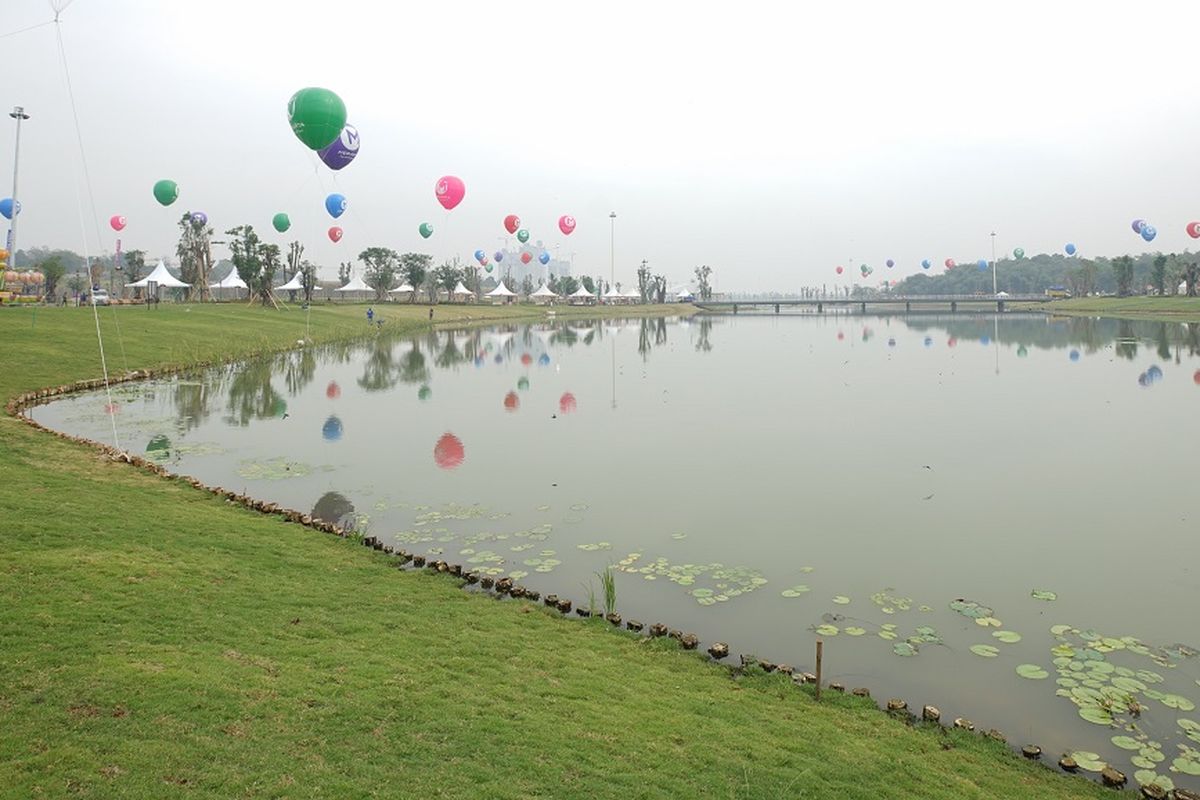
x=281, y=222
x=424, y=393
x=1022, y=352
x=1018, y=254
x=426, y=230
x=523, y=383
x=166, y=192
x=317, y=117
x=522, y=236
x=488, y=267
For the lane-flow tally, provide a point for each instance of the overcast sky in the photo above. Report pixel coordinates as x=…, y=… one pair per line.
x=771, y=141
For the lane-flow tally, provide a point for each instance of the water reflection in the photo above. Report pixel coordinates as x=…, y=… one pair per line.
x=334, y=508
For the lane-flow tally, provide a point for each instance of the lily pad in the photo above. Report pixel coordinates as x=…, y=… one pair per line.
x=1143, y=762
x=1126, y=742
x=904, y=649
x=1043, y=594
x=970, y=608
x=1008, y=637
x=1145, y=777
x=1032, y=671
x=842, y=600
x=1097, y=715
x=887, y=635
x=795, y=591
x=1188, y=766
x=1130, y=685
x=827, y=630
x=985, y=650
x=1059, y=630
x=854, y=630
x=1088, y=761
x=1177, y=701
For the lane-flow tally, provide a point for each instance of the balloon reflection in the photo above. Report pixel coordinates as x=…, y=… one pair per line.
x=448, y=453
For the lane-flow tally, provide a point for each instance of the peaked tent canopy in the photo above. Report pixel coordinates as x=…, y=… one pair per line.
x=460, y=289
x=355, y=284
x=501, y=291
x=543, y=292
x=613, y=292
x=633, y=294
x=581, y=292
x=230, y=281
x=294, y=285
x=404, y=287
x=162, y=277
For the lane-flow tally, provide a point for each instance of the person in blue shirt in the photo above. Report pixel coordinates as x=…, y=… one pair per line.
x=370, y=313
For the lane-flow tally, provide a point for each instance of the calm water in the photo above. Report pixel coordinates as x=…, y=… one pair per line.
x=755, y=477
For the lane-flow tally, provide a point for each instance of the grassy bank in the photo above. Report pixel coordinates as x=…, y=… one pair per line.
x=1178, y=309
x=158, y=642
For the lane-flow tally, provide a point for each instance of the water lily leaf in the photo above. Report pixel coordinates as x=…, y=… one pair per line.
x=1043, y=594
x=842, y=600
x=1189, y=725
x=702, y=592
x=1063, y=650
x=1126, y=742
x=1188, y=766
x=985, y=650
x=1130, y=685
x=827, y=630
x=1145, y=777
x=1177, y=701
x=806, y=570
x=795, y=591
x=1088, y=761
x=1151, y=755
x=986, y=621
x=1008, y=637
x=1142, y=761
x=887, y=635
x=904, y=649
x=1067, y=683
x=1059, y=630
x=1032, y=671
x=678, y=536
x=1097, y=715
x=854, y=631
x=1149, y=676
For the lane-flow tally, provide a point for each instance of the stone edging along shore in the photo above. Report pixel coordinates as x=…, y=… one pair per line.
x=501, y=587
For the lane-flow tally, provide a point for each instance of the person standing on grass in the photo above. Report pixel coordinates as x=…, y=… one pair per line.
x=370, y=314
x=431, y=313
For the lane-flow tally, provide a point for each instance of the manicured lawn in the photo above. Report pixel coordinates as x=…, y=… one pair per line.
x=156, y=641
x=1180, y=309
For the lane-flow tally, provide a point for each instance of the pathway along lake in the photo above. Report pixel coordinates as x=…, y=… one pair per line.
x=997, y=516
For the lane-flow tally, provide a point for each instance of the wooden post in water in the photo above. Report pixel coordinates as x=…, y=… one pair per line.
x=820, y=646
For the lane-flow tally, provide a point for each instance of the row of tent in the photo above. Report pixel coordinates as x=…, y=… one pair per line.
x=162, y=277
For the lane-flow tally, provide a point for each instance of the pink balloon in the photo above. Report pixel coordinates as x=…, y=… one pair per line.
x=117, y=222
x=335, y=234
x=450, y=191
x=566, y=224
x=1193, y=230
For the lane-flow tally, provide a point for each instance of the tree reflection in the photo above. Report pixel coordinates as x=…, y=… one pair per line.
x=299, y=368
x=412, y=365
x=1126, y=343
x=251, y=395
x=334, y=508
x=702, y=343
x=191, y=400
x=379, y=370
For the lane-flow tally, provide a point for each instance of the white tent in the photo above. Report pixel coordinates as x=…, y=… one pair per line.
x=160, y=276
x=401, y=289
x=633, y=295
x=543, y=295
x=294, y=285
x=461, y=291
x=355, y=284
x=684, y=294
x=230, y=281
x=581, y=294
x=613, y=294
x=501, y=291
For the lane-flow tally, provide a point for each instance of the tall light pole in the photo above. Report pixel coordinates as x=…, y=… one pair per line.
x=18, y=113
x=612, y=247
x=994, y=264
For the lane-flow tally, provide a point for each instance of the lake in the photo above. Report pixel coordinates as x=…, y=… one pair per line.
x=993, y=515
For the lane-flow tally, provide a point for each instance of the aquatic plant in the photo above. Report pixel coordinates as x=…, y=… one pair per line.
x=608, y=583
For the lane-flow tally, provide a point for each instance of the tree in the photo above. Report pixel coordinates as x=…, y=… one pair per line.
x=1123, y=272
x=703, y=273
x=53, y=270
x=588, y=283
x=1190, y=275
x=76, y=283
x=379, y=269
x=1158, y=276
x=270, y=265
x=195, y=254
x=527, y=286
x=446, y=276
x=645, y=282
x=470, y=278
x=295, y=256
x=567, y=284
x=255, y=262
x=344, y=270
x=308, y=279
x=414, y=267
x=135, y=265
x=660, y=288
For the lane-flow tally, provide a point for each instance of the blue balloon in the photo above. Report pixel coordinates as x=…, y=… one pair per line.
x=1148, y=232
x=925, y=264
x=544, y=257
x=498, y=255
x=332, y=429
x=1154, y=373
x=1074, y=355
x=499, y=358
x=199, y=218
x=929, y=341
x=6, y=207
x=1070, y=248
x=985, y=340
x=983, y=265
x=335, y=204
x=480, y=255
x=544, y=359
x=890, y=263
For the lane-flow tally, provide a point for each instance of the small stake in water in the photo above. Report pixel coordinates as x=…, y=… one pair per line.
x=820, y=647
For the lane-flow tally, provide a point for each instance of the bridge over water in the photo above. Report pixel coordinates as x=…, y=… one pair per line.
x=921, y=302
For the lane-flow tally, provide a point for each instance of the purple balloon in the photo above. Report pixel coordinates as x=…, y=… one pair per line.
x=1137, y=225
x=499, y=256
x=343, y=149
x=199, y=218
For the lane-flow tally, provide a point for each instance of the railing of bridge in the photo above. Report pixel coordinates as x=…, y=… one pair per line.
x=911, y=298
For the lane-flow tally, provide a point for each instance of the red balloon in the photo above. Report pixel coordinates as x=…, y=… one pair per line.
x=566, y=224
x=335, y=234
x=117, y=222
x=511, y=401
x=449, y=191
x=949, y=263
x=333, y=391
x=1193, y=230
x=951, y=342
x=526, y=359
x=1196, y=378
x=841, y=336
x=113, y=408
x=566, y=403
x=448, y=453
x=526, y=258
x=839, y=270
x=511, y=223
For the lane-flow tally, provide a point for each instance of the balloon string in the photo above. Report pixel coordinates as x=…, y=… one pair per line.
x=30, y=28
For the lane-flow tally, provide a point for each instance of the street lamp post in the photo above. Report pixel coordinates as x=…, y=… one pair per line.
x=994, y=292
x=612, y=247
x=18, y=113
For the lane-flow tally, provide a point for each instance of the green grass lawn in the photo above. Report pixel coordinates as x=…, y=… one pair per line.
x=1179, y=309
x=157, y=642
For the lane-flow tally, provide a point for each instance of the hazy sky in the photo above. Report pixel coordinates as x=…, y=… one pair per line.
x=771, y=141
